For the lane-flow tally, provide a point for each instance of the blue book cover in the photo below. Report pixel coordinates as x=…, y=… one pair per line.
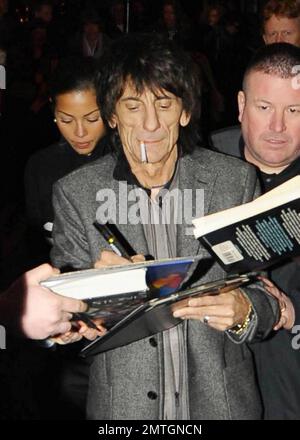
x=163, y=278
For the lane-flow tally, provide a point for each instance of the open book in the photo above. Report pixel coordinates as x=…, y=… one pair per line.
x=257, y=234
x=113, y=292
x=156, y=315
x=130, y=314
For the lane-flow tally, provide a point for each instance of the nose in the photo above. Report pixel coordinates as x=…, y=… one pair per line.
x=280, y=38
x=277, y=122
x=151, y=121
x=80, y=130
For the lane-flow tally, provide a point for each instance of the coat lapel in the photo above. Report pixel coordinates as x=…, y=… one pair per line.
x=194, y=174
x=133, y=233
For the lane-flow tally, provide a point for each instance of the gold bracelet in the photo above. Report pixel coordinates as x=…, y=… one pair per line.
x=240, y=328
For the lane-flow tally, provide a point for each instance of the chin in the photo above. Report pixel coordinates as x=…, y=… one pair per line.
x=83, y=152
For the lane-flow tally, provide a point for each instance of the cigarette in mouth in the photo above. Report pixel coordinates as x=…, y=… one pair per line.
x=143, y=152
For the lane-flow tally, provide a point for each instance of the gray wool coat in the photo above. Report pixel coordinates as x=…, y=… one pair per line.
x=127, y=383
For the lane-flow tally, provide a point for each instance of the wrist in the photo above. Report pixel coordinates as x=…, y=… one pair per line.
x=240, y=328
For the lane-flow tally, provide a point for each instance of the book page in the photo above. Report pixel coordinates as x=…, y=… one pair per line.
x=99, y=284
x=160, y=276
x=280, y=195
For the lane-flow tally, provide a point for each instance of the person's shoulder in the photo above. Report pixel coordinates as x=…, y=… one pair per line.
x=211, y=158
x=45, y=154
x=205, y=162
x=227, y=140
x=43, y=161
x=100, y=170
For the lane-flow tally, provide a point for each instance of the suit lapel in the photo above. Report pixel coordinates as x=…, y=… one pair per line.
x=133, y=233
x=194, y=174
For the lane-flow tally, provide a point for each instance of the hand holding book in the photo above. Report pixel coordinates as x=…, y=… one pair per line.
x=92, y=327
x=245, y=238
x=222, y=312
x=287, y=311
x=89, y=329
x=257, y=234
x=156, y=315
x=110, y=258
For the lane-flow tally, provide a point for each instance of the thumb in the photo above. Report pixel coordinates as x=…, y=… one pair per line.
x=41, y=273
x=73, y=305
x=61, y=328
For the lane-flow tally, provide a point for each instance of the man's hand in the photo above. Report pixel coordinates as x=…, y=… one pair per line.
x=287, y=311
x=81, y=330
x=110, y=258
x=34, y=310
x=221, y=312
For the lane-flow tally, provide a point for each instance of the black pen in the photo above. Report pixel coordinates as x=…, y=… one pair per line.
x=111, y=239
x=80, y=316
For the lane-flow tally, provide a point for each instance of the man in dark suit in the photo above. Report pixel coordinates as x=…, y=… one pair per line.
x=269, y=112
x=200, y=369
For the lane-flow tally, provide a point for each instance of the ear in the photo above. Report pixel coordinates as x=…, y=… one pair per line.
x=113, y=122
x=241, y=104
x=184, y=118
x=265, y=38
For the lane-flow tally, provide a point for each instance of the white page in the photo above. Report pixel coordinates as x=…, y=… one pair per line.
x=95, y=284
x=280, y=195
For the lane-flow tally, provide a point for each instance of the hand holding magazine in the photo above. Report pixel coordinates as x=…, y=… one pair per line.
x=113, y=292
x=156, y=315
x=136, y=300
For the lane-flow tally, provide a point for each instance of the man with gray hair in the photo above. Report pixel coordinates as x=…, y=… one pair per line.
x=202, y=368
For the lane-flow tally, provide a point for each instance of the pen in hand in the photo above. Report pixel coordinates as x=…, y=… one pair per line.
x=111, y=240
x=84, y=318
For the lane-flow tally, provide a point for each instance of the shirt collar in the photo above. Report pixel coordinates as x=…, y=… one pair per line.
x=270, y=181
x=122, y=172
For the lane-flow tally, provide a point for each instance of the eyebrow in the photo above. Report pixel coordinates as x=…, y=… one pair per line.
x=134, y=98
x=268, y=102
x=263, y=100
x=87, y=114
x=130, y=98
